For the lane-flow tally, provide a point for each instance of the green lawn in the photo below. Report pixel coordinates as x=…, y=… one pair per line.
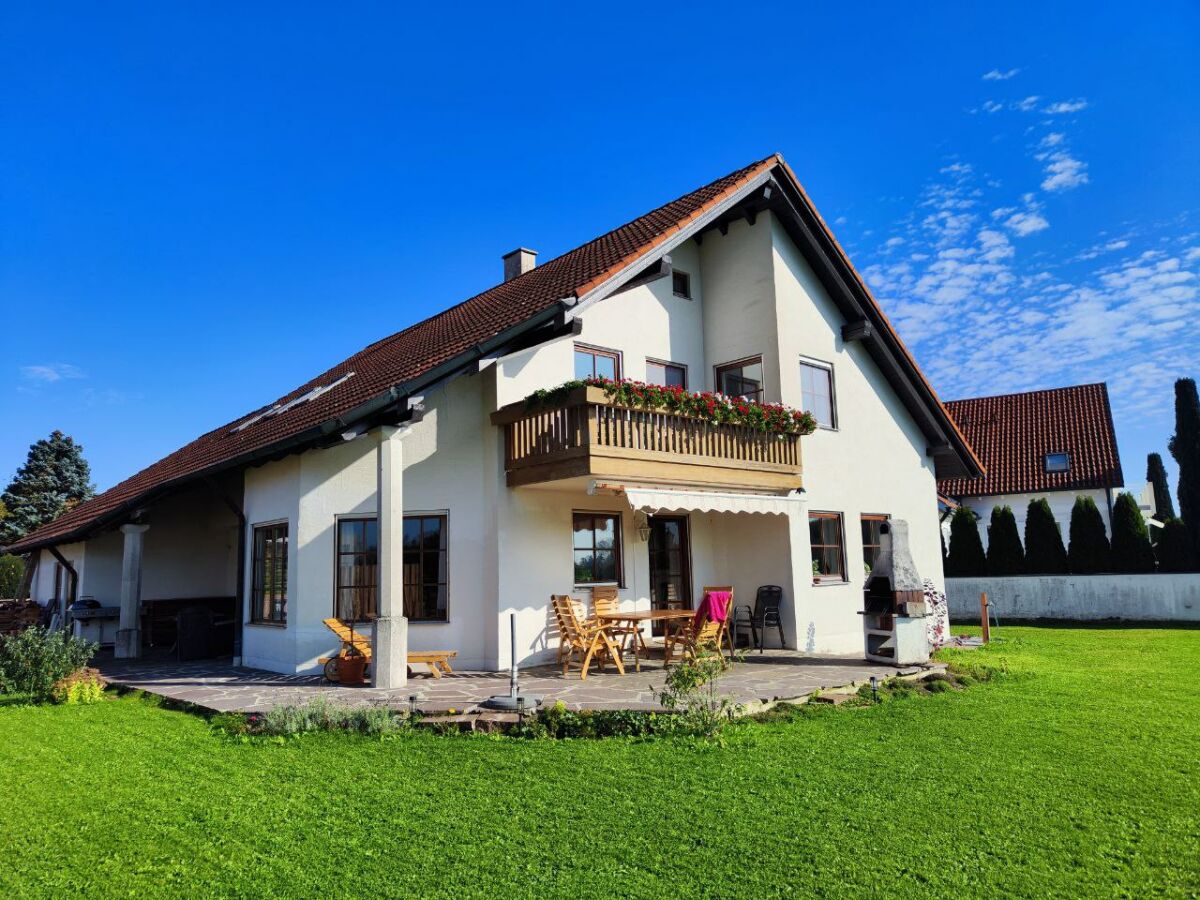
x=1078, y=774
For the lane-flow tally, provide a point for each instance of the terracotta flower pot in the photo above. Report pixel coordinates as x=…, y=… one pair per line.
x=351, y=670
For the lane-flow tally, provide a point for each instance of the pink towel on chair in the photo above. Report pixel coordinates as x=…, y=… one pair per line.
x=714, y=607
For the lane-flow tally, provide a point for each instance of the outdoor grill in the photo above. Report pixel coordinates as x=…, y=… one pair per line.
x=894, y=608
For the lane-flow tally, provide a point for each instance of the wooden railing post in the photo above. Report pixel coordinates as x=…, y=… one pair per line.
x=984, y=619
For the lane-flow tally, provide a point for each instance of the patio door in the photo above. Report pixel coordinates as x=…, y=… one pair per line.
x=670, y=564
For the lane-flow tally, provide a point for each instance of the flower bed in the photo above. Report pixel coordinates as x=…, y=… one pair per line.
x=718, y=409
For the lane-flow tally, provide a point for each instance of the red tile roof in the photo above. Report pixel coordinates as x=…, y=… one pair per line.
x=1013, y=433
x=420, y=349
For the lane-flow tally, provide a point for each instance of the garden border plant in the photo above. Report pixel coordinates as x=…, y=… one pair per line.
x=35, y=660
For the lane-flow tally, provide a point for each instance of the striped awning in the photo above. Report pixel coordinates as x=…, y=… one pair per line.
x=663, y=500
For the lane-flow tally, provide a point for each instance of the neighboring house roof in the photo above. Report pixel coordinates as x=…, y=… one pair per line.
x=386, y=373
x=1013, y=434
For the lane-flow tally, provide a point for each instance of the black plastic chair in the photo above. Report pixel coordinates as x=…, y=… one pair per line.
x=764, y=614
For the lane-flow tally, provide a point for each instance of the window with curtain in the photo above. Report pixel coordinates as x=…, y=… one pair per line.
x=268, y=591
x=828, y=556
x=870, y=538
x=596, y=542
x=426, y=574
x=357, y=570
x=816, y=392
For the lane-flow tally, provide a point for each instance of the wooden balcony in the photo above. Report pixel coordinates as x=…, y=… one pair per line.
x=588, y=438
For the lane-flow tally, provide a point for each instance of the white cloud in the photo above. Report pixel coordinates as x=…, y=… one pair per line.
x=1063, y=172
x=992, y=106
x=1099, y=249
x=893, y=243
x=49, y=373
x=1191, y=255
x=1027, y=104
x=997, y=75
x=1053, y=139
x=1065, y=106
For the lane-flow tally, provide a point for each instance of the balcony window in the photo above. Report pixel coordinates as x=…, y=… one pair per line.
x=742, y=379
x=596, y=362
x=816, y=392
x=666, y=374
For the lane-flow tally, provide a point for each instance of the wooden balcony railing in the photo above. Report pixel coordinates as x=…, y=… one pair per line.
x=590, y=436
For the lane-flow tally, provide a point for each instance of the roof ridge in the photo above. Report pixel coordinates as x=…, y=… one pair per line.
x=1067, y=387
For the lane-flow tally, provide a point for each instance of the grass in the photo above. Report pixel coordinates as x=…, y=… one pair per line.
x=1076, y=774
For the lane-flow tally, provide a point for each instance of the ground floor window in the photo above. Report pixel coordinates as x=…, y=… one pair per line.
x=268, y=602
x=357, y=569
x=871, y=530
x=424, y=569
x=596, y=542
x=825, y=535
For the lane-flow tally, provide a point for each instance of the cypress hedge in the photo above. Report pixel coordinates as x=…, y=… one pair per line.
x=965, y=559
x=1131, y=550
x=1005, y=555
x=1174, y=548
x=1044, y=550
x=1089, y=550
x=1185, y=447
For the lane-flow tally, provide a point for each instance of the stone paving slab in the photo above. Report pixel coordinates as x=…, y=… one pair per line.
x=218, y=686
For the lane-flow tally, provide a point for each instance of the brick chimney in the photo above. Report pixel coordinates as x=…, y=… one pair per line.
x=518, y=262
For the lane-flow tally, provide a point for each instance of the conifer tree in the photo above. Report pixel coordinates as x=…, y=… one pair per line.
x=1089, y=550
x=55, y=478
x=1174, y=548
x=1044, y=550
x=1156, y=474
x=1185, y=447
x=1005, y=555
x=1130, y=542
x=966, y=559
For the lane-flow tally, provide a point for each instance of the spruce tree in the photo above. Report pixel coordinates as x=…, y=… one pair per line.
x=966, y=559
x=1185, y=447
x=55, y=478
x=1005, y=555
x=1044, y=550
x=1156, y=474
x=1130, y=542
x=1089, y=550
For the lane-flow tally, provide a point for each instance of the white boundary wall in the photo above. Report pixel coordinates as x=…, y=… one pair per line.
x=1083, y=597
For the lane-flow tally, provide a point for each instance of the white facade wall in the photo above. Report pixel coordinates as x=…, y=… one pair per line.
x=1081, y=597
x=510, y=549
x=1061, y=504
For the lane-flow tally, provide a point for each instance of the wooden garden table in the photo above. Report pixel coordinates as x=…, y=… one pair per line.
x=669, y=617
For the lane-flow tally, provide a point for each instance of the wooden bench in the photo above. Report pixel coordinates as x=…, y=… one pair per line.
x=437, y=661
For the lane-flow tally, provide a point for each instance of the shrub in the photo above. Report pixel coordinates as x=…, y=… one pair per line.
x=1005, y=555
x=690, y=693
x=1174, y=548
x=1044, y=550
x=32, y=661
x=12, y=571
x=1156, y=474
x=1131, y=550
x=81, y=686
x=319, y=715
x=966, y=559
x=1089, y=551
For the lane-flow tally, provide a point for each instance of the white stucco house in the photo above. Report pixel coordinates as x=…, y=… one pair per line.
x=1058, y=443
x=414, y=488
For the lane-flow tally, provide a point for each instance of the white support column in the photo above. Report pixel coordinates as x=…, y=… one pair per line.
x=129, y=633
x=389, y=641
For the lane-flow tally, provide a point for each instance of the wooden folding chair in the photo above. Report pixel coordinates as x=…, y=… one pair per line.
x=587, y=641
x=606, y=601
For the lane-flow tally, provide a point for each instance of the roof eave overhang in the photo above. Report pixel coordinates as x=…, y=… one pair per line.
x=387, y=407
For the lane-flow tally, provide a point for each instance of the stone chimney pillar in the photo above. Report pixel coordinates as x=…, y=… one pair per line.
x=518, y=262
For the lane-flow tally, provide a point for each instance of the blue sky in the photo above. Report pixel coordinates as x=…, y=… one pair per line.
x=201, y=207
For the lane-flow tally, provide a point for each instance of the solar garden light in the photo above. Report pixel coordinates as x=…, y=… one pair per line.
x=874, y=688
